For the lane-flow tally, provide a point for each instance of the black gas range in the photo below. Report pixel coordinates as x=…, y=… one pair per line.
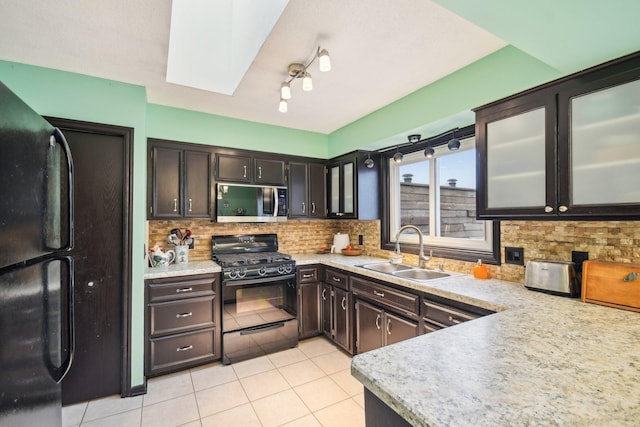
x=259, y=296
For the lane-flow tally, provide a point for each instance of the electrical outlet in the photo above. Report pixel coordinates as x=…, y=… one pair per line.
x=514, y=255
x=578, y=258
x=360, y=239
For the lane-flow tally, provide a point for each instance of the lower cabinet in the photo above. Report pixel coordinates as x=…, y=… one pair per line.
x=376, y=327
x=182, y=322
x=442, y=313
x=336, y=301
x=309, y=301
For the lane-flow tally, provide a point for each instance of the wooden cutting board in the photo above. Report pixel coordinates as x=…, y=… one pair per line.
x=612, y=284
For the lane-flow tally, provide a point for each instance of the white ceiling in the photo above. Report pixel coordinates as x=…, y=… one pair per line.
x=381, y=50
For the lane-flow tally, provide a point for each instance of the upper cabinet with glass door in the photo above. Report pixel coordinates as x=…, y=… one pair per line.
x=352, y=187
x=567, y=150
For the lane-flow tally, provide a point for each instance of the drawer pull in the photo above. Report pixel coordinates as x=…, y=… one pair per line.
x=181, y=315
x=378, y=321
x=454, y=320
x=307, y=276
x=336, y=279
x=185, y=348
x=378, y=294
x=181, y=290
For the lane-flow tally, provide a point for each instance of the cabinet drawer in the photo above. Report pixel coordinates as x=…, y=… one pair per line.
x=173, y=288
x=308, y=274
x=181, y=315
x=387, y=296
x=336, y=278
x=443, y=315
x=184, y=349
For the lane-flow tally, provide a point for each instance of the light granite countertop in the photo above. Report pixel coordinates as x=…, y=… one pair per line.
x=184, y=269
x=542, y=360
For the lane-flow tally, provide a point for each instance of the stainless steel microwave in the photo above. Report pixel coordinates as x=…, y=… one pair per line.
x=250, y=203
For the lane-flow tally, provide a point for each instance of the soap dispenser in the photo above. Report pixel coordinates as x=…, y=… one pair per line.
x=480, y=270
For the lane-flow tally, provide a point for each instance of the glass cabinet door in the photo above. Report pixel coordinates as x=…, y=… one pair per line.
x=347, y=187
x=516, y=160
x=604, y=146
x=335, y=189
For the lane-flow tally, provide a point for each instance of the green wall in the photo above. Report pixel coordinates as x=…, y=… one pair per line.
x=500, y=74
x=191, y=126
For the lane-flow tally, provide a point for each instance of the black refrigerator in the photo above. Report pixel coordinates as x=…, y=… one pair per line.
x=36, y=273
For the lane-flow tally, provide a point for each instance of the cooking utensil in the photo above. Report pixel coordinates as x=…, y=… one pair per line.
x=173, y=239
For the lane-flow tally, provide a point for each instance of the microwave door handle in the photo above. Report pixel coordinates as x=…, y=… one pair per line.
x=275, y=201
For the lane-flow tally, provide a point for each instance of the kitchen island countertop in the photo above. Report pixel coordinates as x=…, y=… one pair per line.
x=540, y=360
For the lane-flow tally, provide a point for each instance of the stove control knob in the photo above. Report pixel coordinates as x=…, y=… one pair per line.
x=233, y=274
x=288, y=268
x=241, y=273
x=281, y=269
x=262, y=271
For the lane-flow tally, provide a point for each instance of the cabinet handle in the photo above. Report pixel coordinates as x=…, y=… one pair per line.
x=181, y=290
x=244, y=175
x=181, y=315
x=303, y=207
x=313, y=207
x=548, y=209
x=389, y=326
x=378, y=294
x=454, y=320
x=259, y=172
x=185, y=348
x=344, y=303
x=563, y=208
x=307, y=276
x=175, y=205
x=323, y=294
x=336, y=279
x=190, y=205
x=378, y=321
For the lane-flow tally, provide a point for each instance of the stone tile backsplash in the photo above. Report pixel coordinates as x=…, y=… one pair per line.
x=554, y=240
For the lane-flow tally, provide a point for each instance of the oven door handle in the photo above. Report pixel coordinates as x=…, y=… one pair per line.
x=262, y=328
x=258, y=281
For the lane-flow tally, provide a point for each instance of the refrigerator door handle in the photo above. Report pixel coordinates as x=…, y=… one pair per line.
x=58, y=137
x=59, y=372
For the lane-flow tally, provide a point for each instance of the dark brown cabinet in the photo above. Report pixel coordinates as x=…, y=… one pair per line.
x=352, y=187
x=307, y=190
x=233, y=168
x=376, y=323
x=337, y=309
x=541, y=152
x=442, y=314
x=182, y=322
x=179, y=182
x=239, y=168
x=269, y=172
x=309, y=301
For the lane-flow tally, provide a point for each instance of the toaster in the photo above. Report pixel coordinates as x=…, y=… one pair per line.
x=554, y=277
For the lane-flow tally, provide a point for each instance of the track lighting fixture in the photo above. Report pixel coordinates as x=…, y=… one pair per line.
x=299, y=71
x=369, y=162
x=454, y=144
x=283, y=105
x=429, y=152
x=398, y=156
x=414, y=138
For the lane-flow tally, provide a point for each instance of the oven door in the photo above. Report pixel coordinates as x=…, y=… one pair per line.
x=259, y=317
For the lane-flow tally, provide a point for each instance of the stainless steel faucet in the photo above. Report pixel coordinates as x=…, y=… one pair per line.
x=422, y=259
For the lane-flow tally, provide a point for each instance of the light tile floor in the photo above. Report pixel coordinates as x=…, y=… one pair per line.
x=310, y=385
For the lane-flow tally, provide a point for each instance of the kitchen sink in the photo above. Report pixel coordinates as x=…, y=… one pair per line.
x=386, y=267
x=410, y=272
x=420, y=274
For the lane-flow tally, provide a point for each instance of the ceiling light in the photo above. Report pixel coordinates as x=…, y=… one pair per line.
x=285, y=91
x=454, y=144
x=398, y=157
x=299, y=71
x=307, y=83
x=369, y=163
x=283, y=105
x=324, y=61
x=429, y=152
x=414, y=138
